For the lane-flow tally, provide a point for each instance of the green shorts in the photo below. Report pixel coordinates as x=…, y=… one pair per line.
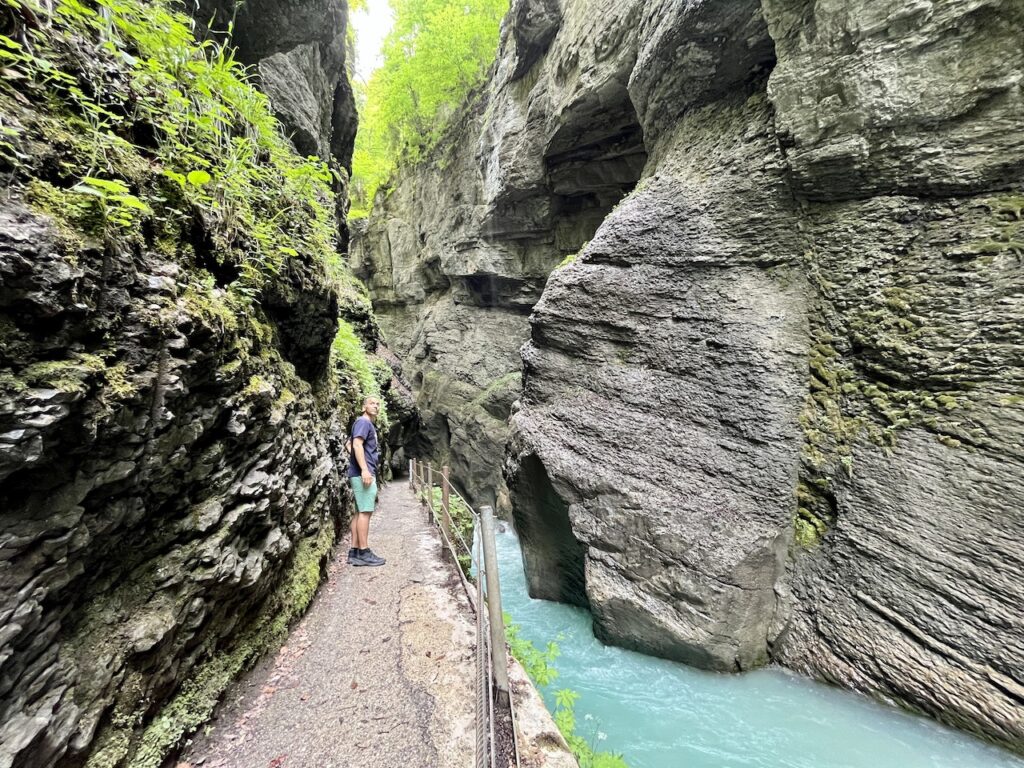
x=365, y=496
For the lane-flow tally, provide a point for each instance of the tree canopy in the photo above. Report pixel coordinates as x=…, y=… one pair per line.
x=434, y=55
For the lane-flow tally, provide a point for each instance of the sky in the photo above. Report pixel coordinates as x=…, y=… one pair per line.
x=371, y=25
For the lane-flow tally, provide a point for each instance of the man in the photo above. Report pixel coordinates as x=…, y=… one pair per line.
x=362, y=474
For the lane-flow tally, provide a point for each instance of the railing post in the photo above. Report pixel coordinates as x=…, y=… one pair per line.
x=412, y=474
x=430, y=493
x=498, y=657
x=446, y=508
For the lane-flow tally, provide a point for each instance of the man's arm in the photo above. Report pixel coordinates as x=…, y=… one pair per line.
x=357, y=448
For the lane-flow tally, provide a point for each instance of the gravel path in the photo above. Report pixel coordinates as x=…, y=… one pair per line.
x=378, y=674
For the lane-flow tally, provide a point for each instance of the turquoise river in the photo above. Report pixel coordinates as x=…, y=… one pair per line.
x=659, y=714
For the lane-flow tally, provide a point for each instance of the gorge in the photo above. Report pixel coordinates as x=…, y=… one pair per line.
x=763, y=263
x=719, y=302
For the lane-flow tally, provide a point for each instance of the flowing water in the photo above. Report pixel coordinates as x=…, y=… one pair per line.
x=659, y=714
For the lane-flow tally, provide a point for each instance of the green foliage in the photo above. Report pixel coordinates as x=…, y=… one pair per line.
x=211, y=147
x=118, y=208
x=462, y=526
x=539, y=666
x=370, y=373
x=437, y=51
x=349, y=350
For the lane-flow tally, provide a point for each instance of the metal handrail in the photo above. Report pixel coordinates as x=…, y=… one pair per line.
x=485, y=756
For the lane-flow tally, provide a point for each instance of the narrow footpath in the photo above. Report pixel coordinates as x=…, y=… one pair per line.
x=379, y=674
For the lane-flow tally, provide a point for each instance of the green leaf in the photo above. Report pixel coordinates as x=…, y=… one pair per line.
x=198, y=178
x=112, y=186
x=177, y=177
x=85, y=189
x=131, y=201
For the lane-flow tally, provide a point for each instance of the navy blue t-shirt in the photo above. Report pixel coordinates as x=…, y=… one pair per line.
x=364, y=428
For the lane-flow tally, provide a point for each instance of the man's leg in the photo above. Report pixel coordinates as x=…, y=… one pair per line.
x=364, y=555
x=353, y=547
x=362, y=525
x=365, y=500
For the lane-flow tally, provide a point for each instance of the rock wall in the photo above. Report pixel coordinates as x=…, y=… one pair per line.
x=458, y=250
x=168, y=430
x=298, y=52
x=912, y=165
x=773, y=408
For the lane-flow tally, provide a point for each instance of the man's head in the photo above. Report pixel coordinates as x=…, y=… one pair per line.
x=371, y=407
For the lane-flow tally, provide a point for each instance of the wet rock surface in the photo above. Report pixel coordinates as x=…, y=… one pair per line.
x=772, y=409
x=168, y=482
x=150, y=509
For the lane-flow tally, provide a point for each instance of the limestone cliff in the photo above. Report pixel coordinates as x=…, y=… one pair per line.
x=773, y=409
x=170, y=379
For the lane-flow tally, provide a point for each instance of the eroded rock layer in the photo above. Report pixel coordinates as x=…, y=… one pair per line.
x=169, y=400
x=773, y=408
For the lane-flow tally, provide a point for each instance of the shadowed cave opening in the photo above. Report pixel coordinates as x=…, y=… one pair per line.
x=593, y=161
x=553, y=557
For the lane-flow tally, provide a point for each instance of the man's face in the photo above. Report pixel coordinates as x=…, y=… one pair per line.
x=372, y=407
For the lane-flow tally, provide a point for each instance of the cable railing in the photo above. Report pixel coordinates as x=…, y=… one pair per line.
x=484, y=597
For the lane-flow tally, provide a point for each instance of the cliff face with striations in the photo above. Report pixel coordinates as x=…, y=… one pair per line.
x=168, y=390
x=458, y=251
x=773, y=408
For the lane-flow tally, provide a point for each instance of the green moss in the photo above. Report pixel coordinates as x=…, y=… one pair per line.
x=1006, y=225
x=120, y=386
x=112, y=749
x=257, y=387
x=73, y=374
x=806, y=534
x=71, y=214
x=280, y=407
x=211, y=306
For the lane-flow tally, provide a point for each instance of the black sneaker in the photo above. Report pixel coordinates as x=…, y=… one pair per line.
x=353, y=556
x=367, y=557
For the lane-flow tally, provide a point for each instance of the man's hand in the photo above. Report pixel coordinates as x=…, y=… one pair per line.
x=367, y=479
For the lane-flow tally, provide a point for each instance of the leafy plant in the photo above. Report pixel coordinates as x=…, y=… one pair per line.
x=117, y=205
x=463, y=526
x=437, y=51
x=214, y=148
x=539, y=666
